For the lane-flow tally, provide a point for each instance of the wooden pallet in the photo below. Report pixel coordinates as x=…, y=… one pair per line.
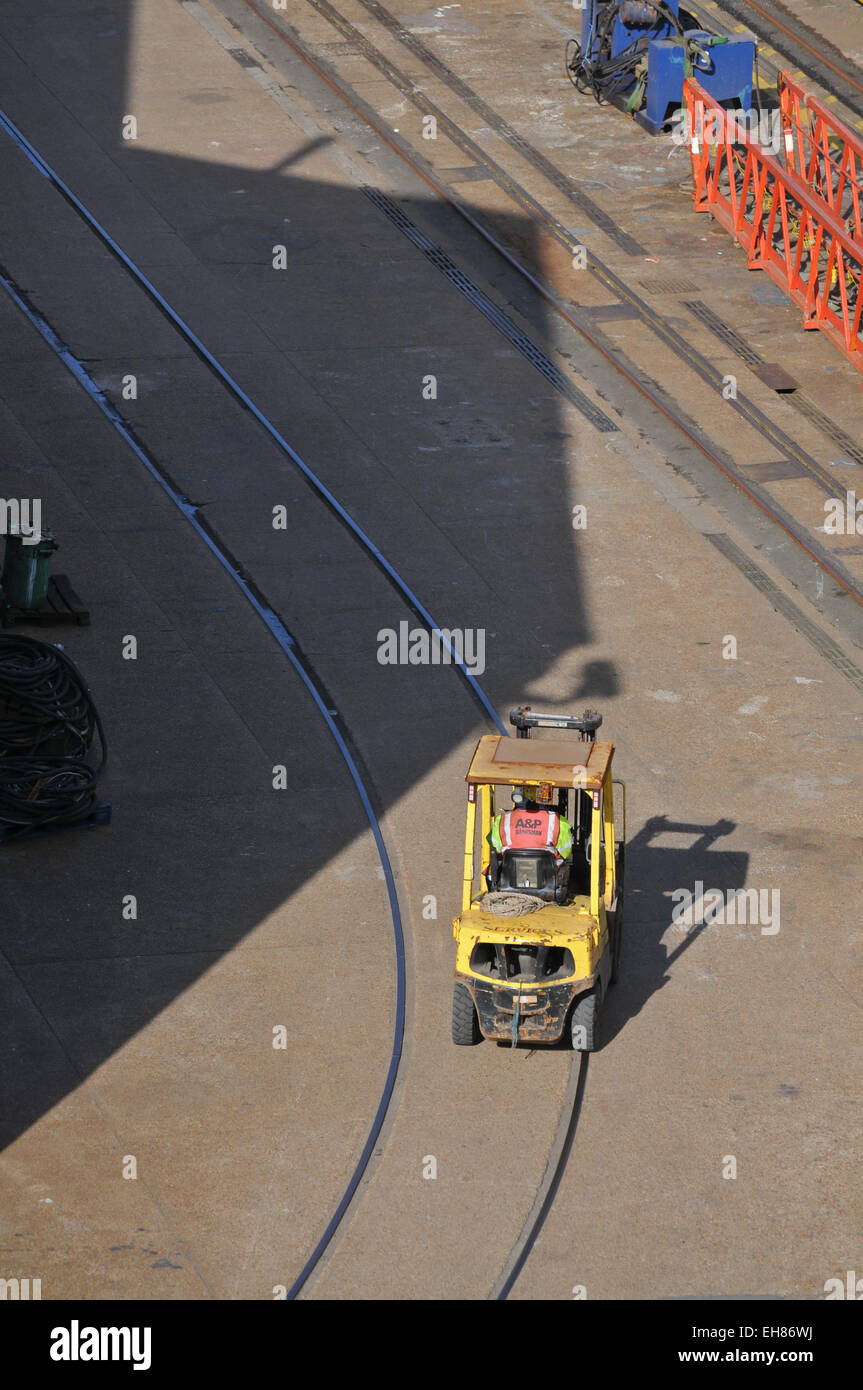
x=100, y=815
x=61, y=605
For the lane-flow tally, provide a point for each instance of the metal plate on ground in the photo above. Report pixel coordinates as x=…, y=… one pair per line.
x=776, y=471
x=461, y=432
x=340, y=50
x=768, y=294
x=775, y=377
x=468, y=173
x=613, y=311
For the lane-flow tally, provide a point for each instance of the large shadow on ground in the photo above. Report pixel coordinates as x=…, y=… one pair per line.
x=322, y=348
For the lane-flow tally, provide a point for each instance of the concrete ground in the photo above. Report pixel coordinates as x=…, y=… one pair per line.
x=257, y=908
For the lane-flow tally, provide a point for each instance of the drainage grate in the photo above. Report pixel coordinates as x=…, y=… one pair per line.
x=495, y=316
x=722, y=331
x=829, y=649
x=770, y=373
x=669, y=286
x=850, y=450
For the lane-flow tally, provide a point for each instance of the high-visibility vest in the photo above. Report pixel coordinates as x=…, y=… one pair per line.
x=522, y=829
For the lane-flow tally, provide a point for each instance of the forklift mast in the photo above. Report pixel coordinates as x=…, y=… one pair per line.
x=574, y=805
x=524, y=719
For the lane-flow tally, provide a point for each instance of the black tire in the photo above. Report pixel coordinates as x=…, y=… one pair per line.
x=465, y=1024
x=584, y=1022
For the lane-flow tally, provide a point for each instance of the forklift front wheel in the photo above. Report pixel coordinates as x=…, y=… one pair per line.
x=465, y=1024
x=584, y=1022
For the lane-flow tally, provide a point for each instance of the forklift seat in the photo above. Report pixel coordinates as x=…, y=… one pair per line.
x=531, y=871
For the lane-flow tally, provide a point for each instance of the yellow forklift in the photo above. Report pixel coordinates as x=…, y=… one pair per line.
x=539, y=935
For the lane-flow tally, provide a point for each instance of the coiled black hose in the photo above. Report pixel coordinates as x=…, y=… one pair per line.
x=39, y=791
x=48, y=721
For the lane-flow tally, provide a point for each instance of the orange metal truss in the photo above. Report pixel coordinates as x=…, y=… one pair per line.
x=786, y=228
x=823, y=151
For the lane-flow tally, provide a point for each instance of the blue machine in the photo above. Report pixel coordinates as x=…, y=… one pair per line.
x=636, y=53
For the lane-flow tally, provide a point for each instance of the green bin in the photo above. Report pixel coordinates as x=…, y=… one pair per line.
x=27, y=570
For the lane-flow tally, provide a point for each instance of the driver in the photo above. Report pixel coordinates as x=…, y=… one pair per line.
x=529, y=826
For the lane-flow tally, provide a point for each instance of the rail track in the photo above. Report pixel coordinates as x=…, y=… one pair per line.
x=684, y=349
x=324, y=704
x=576, y=318
x=810, y=51
x=547, y=1191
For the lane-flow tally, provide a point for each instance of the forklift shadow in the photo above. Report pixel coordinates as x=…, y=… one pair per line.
x=654, y=872
x=597, y=680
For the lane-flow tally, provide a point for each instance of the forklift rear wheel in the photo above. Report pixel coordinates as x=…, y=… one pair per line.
x=465, y=1024
x=584, y=1022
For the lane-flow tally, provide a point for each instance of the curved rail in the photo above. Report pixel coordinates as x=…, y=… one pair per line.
x=323, y=702
x=264, y=610
x=224, y=376
x=557, y=1161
